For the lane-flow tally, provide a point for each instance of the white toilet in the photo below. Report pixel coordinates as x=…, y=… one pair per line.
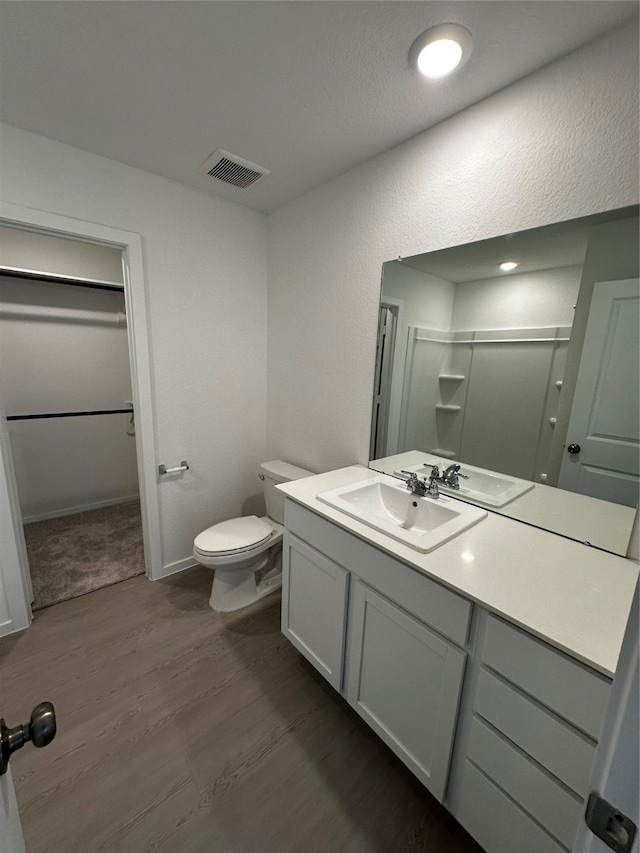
x=246, y=552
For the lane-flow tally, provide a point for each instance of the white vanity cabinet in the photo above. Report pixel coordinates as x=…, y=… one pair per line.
x=374, y=628
x=485, y=665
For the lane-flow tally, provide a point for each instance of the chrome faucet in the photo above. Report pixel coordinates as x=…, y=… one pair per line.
x=450, y=476
x=415, y=485
x=423, y=487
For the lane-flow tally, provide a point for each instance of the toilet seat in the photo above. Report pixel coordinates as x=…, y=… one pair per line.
x=235, y=536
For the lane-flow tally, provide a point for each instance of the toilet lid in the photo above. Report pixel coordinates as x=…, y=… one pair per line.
x=237, y=534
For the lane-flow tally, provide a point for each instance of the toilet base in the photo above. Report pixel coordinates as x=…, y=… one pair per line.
x=234, y=589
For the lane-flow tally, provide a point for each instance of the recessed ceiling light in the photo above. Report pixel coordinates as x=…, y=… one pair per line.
x=507, y=266
x=440, y=49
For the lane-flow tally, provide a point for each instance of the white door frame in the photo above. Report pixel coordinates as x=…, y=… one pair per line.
x=397, y=372
x=139, y=359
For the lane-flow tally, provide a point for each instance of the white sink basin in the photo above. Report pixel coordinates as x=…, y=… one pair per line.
x=484, y=487
x=388, y=506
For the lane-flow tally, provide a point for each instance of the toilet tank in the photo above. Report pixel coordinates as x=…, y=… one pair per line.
x=273, y=473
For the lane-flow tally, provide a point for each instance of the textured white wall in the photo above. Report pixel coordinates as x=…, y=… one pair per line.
x=205, y=267
x=558, y=144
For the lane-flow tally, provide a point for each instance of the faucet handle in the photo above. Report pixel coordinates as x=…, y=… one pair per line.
x=435, y=469
x=413, y=480
x=432, y=488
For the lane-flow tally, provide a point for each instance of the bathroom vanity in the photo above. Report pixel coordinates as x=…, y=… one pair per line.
x=484, y=664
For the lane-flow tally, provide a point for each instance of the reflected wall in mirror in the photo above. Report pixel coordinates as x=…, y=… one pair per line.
x=529, y=372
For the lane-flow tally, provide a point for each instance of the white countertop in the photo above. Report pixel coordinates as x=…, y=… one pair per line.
x=575, y=597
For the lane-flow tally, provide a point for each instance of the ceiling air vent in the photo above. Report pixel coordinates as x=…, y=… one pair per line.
x=231, y=169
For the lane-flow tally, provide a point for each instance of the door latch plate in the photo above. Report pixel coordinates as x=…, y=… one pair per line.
x=610, y=825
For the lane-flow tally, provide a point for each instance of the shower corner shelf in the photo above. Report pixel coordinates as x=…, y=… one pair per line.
x=452, y=377
x=447, y=407
x=447, y=454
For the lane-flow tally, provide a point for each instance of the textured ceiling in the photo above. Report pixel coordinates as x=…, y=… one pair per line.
x=306, y=89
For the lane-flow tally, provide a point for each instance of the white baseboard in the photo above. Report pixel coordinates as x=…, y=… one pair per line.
x=58, y=513
x=177, y=566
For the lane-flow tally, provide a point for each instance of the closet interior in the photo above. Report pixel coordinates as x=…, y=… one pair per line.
x=65, y=381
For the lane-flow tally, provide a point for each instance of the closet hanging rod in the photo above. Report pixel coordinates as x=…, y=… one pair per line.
x=69, y=414
x=54, y=278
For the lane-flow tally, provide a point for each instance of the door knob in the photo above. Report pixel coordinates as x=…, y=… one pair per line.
x=574, y=448
x=40, y=730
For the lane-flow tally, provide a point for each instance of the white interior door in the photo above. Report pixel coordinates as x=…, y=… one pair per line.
x=11, y=838
x=603, y=440
x=15, y=584
x=39, y=731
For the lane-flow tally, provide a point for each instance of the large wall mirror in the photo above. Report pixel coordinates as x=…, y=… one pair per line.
x=516, y=359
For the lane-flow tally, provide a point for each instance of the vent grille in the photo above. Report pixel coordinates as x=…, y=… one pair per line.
x=233, y=170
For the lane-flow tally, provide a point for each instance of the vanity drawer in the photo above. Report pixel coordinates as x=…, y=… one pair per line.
x=435, y=605
x=562, y=750
x=495, y=821
x=549, y=803
x=568, y=687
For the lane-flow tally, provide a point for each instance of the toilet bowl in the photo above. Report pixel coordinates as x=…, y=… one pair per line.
x=246, y=552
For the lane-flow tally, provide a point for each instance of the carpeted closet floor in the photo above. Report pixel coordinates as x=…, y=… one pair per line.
x=75, y=554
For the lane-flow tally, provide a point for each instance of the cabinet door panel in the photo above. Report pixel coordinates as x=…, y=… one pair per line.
x=314, y=606
x=405, y=681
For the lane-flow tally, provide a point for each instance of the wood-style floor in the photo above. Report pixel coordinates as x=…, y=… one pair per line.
x=182, y=730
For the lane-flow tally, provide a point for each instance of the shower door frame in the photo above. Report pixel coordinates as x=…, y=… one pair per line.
x=130, y=244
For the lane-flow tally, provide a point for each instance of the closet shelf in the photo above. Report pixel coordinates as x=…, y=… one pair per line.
x=447, y=407
x=448, y=454
x=452, y=377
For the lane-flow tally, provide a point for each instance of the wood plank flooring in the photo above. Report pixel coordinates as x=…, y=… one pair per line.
x=181, y=730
